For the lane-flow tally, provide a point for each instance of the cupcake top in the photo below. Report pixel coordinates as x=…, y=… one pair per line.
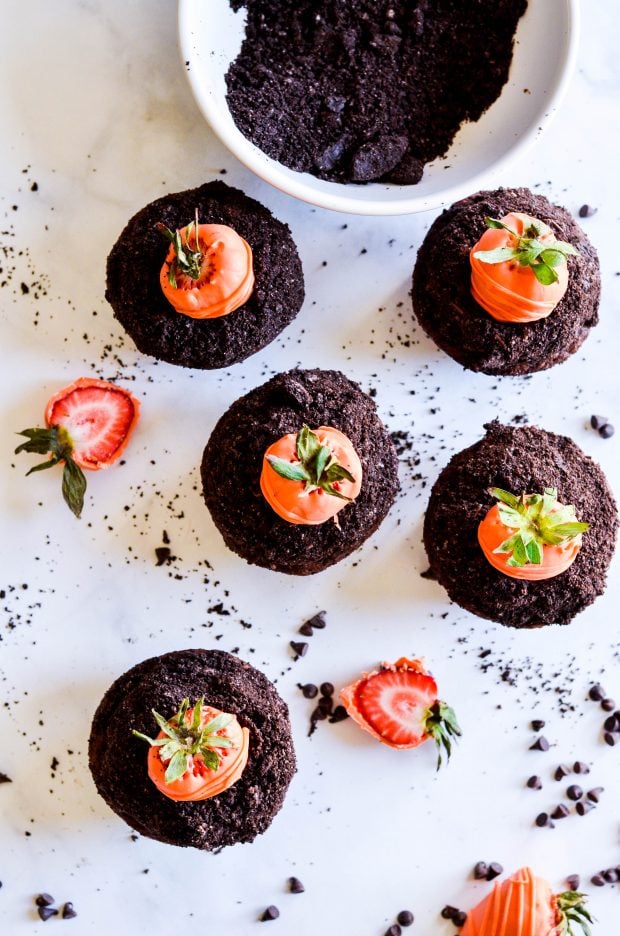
x=506, y=283
x=221, y=776
x=521, y=527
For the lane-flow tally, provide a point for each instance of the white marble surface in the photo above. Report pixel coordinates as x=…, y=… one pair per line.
x=96, y=110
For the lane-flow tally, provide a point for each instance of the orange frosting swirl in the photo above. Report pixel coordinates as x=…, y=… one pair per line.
x=200, y=782
x=226, y=273
x=290, y=499
x=523, y=905
x=508, y=291
x=556, y=559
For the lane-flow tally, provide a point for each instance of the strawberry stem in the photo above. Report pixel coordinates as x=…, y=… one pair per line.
x=57, y=442
x=441, y=724
x=186, y=261
x=572, y=910
x=529, y=250
x=317, y=465
x=539, y=520
x=184, y=739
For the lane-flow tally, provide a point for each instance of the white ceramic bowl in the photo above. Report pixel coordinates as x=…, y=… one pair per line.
x=545, y=50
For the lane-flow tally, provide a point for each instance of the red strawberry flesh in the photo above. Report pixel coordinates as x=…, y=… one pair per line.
x=394, y=703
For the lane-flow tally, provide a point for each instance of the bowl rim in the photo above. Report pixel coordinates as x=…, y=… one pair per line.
x=269, y=170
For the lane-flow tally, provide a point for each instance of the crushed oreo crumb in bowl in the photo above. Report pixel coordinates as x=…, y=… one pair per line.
x=338, y=143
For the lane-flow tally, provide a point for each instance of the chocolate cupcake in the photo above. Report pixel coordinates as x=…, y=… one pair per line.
x=506, y=283
x=521, y=527
x=204, y=278
x=299, y=472
x=193, y=748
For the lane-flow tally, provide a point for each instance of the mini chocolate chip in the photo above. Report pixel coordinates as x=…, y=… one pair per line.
x=598, y=880
x=405, y=917
x=606, y=431
x=561, y=771
x=339, y=714
x=271, y=913
x=295, y=886
x=581, y=768
x=574, y=792
x=318, y=714
x=586, y=211
x=608, y=705
x=326, y=704
x=560, y=812
x=44, y=900
x=46, y=912
x=393, y=930
x=573, y=881
x=597, y=422
x=448, y=912
x=481, y=869
x=327, y=689
x=310, y=691
x=534, y=783
x=611, y=875
x=583, y=807
x=610, y=738
x=317, y=620
x=459, y=918
x=538, y=724
x=306, y=630
x=595, y=794
x=542, y=819
x=68, y=912
x=299, y=647
x=495, y=869
x=611, y=723
x=540, y=744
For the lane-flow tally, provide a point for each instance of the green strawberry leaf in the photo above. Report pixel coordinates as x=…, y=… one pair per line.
x=73, y=486
x=544, y=274
x=177, y=767
x=293, y=471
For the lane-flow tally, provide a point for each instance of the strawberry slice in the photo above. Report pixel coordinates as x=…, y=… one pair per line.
x=88, y=426
x=398, y=705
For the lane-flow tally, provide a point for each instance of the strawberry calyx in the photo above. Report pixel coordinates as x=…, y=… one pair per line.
x=441, y=725
x=184, y=739
x=317, y=466
x=186, y=261
x=57, y=442
x=572, y=910
x=539, y=520
x=529, y=250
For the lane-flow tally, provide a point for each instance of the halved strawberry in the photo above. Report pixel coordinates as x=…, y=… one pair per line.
x=89, y=424
x=398, y=705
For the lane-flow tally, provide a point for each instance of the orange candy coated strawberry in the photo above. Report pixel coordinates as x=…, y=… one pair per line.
x=198, y=753
x=88, y=426
x=309, y=476
x=208, y=270
x=398, y=706
x=518, y=269
x=525, y=905
x=532, y=537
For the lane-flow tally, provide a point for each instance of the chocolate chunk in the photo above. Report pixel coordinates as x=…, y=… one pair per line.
x=377, y=157
x=295, y=886
x=271, y=913
x=327, y=689
x=163, y=554
x=409, y=171
x=68, y=911
x=44, y=900
x=46, y=912
x=561, y=771
x=583, y=807
x=581, y=768
x=560, y=812
x=574, y=792
x=540, y=744
x=586, y=211
x=405, y=918
x=481, y=869
x=598, y=880
x=300, y=648
x=329, y=157
x=606, y=431
x=310, y=691
x=534, y=783
x=339, y=714
x=595, y=794
x=538, y=724
x=573, y=881
x=597, y=422
x=495, y=869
